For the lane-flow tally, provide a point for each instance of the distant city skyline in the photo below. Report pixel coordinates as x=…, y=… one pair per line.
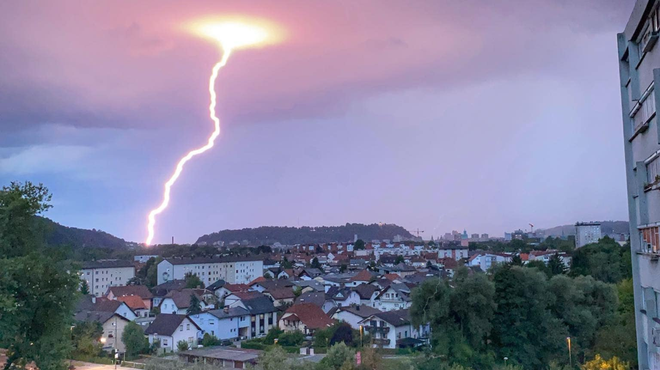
x=481, y=115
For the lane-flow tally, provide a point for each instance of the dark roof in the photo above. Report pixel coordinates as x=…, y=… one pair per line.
x=311, y=315
x=107, y=264
x=230, y=312
x=86, y=303
x=317, y=298
x=217, y=285
x=138, y=290
x=311, y=272
x=396, y=318
x=363, y=311
x=164, y=288
x=259, y=305
x=276, y=284
x=166, y=324
x=222, y=353
x=182, y=298
x=281, y=293
x=310, y=284
x=341, y=294
x=365, y=291
x=197, y=260
x=96, y=316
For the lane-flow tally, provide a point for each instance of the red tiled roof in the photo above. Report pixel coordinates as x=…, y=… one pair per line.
x=524, y=256
x=237, y=287
x=133, y=301
x=311, y=315
x=138, y=290
x=392, y=277
x=363, y=275
x=257, y=280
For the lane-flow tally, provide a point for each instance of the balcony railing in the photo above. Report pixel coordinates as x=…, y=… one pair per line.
x=381, y=341
x=377, y=329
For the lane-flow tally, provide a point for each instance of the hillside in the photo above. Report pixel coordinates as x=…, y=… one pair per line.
x=268, y=235
x=607, y=227
x=57, y=235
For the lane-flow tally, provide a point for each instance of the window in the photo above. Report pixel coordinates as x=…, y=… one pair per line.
x=653, y=170
x=211, y=322
x=187, y=326
x=180, y=327
x=651, y=238
x=164, y=342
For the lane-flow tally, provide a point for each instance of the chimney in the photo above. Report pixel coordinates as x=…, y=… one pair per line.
x=226, y=309
x=357, y=308
x=94, y=299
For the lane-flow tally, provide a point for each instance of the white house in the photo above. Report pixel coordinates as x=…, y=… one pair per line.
x=354, y=314
x=228, y=323
x=170, y=329
x=394, y=297
x=179, y=301
x=263, y=314
x=486, y=260
x=343, y=297
x=393, y=329
x=102, y=274
x=113, y=327
x=232, y=269
x=456, y=252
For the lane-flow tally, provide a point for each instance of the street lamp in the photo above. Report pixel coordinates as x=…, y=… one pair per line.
x=505, y=360
x=361, y=340
x=102, y=340
x=570, y=357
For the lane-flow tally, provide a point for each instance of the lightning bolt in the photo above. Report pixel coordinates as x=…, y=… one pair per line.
x=182, y=162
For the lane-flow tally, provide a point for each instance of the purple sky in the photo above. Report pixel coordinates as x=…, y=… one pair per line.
x=483, y=115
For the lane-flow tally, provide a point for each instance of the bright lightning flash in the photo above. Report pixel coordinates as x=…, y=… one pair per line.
x=231, y=35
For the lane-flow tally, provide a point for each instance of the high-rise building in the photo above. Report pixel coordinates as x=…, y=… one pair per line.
x=639, y=67
x=587, y=233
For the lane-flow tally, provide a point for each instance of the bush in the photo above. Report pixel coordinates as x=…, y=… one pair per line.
x=291, y=349
x=182, y=345
x=251, y=344
x=210, y=340
x=293, y=338
x=272, y=335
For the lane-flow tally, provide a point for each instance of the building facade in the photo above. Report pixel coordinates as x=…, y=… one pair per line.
x=100, y=275
x=233, y=270
x=587, y=233
x=639, y=67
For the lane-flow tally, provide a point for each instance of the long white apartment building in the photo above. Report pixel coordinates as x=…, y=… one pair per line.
x=234, y=270
x=100, y=275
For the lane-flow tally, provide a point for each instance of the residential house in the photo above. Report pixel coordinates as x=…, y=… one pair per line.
x=281, y=296
x=486, y=260
x=170, y=329
x=263, y=314
x=318, y=298
x=91, y=303
x=393, y=329
x=362, y=277
x=161, y=290
x=177, y=302
x=394, y=297
x=304, y=317
x=343, y=296
x=234, y=298
x=225, y=324
x=136, y=304
x=140, y=291
x=367, y=293
x=113, y=326
x=352, y=315
x=454, y=251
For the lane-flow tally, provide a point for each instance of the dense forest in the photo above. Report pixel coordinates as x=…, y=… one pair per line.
x=58, y=235
x=268, y=235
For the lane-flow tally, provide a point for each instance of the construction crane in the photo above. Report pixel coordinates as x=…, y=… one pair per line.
x=418, y=231
x=532, y=225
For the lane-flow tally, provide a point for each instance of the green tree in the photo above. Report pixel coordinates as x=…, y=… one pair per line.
x=606, y=261
x=85, y=338
x=556, y=265
x=195, y=306
x=277, y=359
x=359, y=245
x=599, y=363
x=315, y=263
x=524, y=329
x=286, y=264
x=539, y=266
x=343, y=333
x=134, y=340
x=399, y=259
x=38, y=288
x=291, y=338
x=84, y=288
x=618, y=339
x=193, y=281
x=343, y=268
x=516, y=260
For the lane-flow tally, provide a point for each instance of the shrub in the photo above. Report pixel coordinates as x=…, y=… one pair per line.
x=293, y=338
x=272, y=334
x=210, y=340
x=182, y=345
x=251, y=344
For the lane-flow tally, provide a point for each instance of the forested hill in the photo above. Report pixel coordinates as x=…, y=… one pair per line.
x=57, y=235
x=268, y=235
x=607, y=227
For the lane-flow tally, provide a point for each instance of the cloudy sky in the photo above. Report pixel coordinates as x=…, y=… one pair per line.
x=438, y=114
